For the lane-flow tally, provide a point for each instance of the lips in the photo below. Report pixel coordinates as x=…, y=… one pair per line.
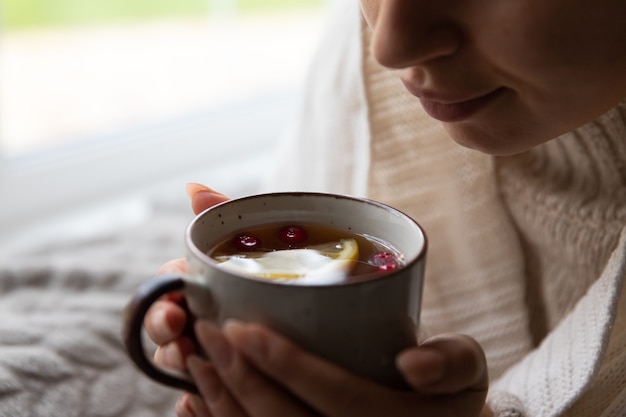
x=447, y=110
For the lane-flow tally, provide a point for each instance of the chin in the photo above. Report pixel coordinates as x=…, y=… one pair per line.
x=491, y=141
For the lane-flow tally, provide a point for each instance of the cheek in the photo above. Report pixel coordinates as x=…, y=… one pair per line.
x=559, y=42
x=524, y=44
x=565, y=82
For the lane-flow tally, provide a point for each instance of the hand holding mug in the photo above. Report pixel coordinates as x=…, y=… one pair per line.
x=166, y=320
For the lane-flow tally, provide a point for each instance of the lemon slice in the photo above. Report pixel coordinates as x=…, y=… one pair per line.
x=318, y=264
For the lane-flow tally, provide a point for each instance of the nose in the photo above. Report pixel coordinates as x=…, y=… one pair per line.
x=414, y=32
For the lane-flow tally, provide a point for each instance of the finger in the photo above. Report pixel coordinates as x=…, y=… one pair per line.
x=165, y=321
x=182, y=407
x=258, y=395
x=175, y=266
x=445, y=364
x=331, y=390
x=174, y=354
x=203, y=197
x=189, y=405
x=216, y=397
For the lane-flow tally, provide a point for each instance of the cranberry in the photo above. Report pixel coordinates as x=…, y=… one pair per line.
x=385, y=261
x=247, y=243
x=292, y=235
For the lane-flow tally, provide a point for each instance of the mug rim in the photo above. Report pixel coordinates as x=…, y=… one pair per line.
x=369, y=277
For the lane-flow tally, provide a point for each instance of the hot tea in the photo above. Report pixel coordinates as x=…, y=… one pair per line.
x=306, y=254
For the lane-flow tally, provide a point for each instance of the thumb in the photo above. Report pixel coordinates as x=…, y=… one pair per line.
x=203, y=197
x=445, y=364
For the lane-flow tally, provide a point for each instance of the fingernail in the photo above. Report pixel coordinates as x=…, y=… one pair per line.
x=184, y=408
x=197, y=405
x=205, y=378
x=253, y=344
x=193, y=188
x=171, y=356
x=175, y=266
x=217, y=346
x=158, y=321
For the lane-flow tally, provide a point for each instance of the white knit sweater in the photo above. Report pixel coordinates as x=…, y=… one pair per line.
x=525, y=252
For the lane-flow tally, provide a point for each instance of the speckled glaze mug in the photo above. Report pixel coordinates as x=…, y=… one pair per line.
x=360, y=326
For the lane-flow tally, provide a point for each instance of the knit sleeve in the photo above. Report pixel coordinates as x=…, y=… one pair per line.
x=578, y=370
x=606, y=395
x=504, y=404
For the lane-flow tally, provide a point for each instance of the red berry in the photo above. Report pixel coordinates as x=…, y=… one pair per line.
x=385, y=261
x=246, y=242
x=292, y=235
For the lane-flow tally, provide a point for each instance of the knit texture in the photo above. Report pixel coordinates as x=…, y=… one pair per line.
x=61, y=312
x=568, y=201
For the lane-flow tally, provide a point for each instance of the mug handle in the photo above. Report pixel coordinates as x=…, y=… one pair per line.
x=134, y=316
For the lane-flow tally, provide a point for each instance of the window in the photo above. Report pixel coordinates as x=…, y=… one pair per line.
x=103, y=97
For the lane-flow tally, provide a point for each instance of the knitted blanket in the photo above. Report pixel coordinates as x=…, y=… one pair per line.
x=61, y=308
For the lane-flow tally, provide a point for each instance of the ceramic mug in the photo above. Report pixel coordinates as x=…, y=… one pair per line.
x=360, y=326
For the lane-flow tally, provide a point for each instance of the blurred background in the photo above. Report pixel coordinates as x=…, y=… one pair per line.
x=102, y=101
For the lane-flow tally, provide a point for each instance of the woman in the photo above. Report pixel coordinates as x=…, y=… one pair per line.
x=524, y=218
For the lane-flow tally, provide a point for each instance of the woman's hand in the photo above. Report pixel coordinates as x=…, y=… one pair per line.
x=255, y=372
x=166, y=319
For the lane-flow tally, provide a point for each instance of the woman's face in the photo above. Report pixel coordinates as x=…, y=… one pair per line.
x=505, y=75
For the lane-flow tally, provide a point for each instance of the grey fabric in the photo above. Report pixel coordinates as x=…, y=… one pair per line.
x=61, y=310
